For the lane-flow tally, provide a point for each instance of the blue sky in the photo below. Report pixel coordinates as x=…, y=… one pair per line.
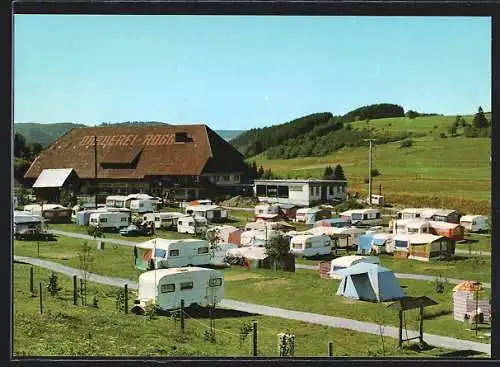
x=240, y=72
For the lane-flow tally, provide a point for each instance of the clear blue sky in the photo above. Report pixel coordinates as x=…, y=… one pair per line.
x=240, y=72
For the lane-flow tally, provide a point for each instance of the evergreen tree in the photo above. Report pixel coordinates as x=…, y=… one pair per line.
x=328, y=173
x=480, y=121
x=339, y=173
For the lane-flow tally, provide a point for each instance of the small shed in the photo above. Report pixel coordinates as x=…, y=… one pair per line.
x=466, y=301
x=50, y=182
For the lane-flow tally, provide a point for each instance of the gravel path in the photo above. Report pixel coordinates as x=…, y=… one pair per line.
x=399, y=275
x=365, y=327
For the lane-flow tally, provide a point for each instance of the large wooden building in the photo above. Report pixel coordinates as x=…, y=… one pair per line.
x=190, y=161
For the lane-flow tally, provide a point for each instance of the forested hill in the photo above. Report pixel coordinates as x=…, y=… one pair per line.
x=315, y=134
x=45, y=134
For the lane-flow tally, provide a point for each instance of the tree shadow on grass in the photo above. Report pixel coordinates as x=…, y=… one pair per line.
x=460, y=354
x=437, y=314
x=204, y=313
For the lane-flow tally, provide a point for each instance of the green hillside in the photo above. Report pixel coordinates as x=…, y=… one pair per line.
x=47, y=133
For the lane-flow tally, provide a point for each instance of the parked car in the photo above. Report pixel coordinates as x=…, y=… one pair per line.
x=131, y=231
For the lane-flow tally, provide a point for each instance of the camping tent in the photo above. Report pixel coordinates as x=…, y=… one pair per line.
x=369, y=282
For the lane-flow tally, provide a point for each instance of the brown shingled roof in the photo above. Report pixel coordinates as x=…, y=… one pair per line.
x=139, y=151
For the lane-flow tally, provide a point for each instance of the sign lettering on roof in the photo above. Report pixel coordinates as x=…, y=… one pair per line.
x=128, y=140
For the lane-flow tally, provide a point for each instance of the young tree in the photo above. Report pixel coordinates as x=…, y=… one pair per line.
x=86, y=258
x=327, y=174
x=480, y=121
x=277, y=247
x=453, y=129
x=339, y=173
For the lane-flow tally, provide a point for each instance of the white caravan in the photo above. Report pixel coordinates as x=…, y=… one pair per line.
x=178, y=253
x=309, y=245
x=167, y=287
x=193, y=225
x=363, y=217
x=110, y=220
x=142, y=206
x=347, y=261
x=118, y=201
x=474, y=223
x=212, y=213
x=163, y=219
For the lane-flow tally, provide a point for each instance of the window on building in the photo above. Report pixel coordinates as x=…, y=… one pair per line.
x=311, y=190
x=261, y=190
x=173, y=253
x=330, y=190
x=186, y=285
x=318, y=191
x=283, y=192
x=167, y=288
x=272, y=190
x=237, y=178
x=202, y=250
x=215, y=282
x=216, y=178
x=226, y=178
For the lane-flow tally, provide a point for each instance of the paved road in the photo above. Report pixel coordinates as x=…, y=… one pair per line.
x=400, y=275
x=298, y=266
x=364, y=327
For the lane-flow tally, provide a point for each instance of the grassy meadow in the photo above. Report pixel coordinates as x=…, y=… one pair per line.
x=280, y=289
x=78, y=331
x=453, y=171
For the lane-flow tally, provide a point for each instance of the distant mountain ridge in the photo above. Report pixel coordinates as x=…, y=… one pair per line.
x=48, y=133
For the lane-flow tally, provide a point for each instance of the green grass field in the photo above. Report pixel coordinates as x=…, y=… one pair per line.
x=68, y=330
x=286, y=290
x=454, y=171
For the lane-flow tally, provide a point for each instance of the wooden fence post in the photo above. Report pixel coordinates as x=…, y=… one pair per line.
x=126, y=298
x=330, y=349
x=75, y=291
x=32, y=286
x=182, y=315
x=41, y=301
x=255, y=338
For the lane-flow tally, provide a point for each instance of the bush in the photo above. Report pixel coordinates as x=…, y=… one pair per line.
x=406, y=143
x=375, y=172
x=442, y=135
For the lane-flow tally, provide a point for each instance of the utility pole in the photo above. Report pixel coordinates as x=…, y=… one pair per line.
x=369, y=171
x=95, y=169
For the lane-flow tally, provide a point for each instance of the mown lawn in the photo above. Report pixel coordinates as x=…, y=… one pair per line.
x=68, y=330
x=286, y=290
x=452, y=169
x=476, y=242
x=305, y=291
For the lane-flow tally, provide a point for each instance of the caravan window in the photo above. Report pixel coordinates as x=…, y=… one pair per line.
x=103, y=220
x=402, y=244
x=157, y=219
x=167, y=288
x=186, y=285
x=412, y=230
x=202, y=250
x=377, y=216
x=141, y=205
x=215, y=282
x=173, y=253
x=124, y=219
x=327, y=244
x=357, y=216
x=308, y=245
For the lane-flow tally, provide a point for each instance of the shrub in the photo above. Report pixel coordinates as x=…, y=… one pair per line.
x=375, y=172
x=406, y=143
x=435, y=126
x=53, y=286
x=442, y=135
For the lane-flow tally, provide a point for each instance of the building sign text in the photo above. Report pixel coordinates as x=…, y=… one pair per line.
x=128, y=140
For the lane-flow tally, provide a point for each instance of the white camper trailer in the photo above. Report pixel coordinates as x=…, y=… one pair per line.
x=118, y=201
x=167, y=287
x=308, y=245
x=344, y=237
x=363, y=217
x=193, y=225
x=474, y=223
x=177, y=253
x=347, y=261
x=142, y=206
x=212, y=213
x=110, y=220
x=163, y=219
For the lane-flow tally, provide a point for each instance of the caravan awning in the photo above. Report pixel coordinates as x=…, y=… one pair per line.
x=52, y=177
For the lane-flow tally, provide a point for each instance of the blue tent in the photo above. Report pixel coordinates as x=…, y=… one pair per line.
x=365, y=244
x=369, y=282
